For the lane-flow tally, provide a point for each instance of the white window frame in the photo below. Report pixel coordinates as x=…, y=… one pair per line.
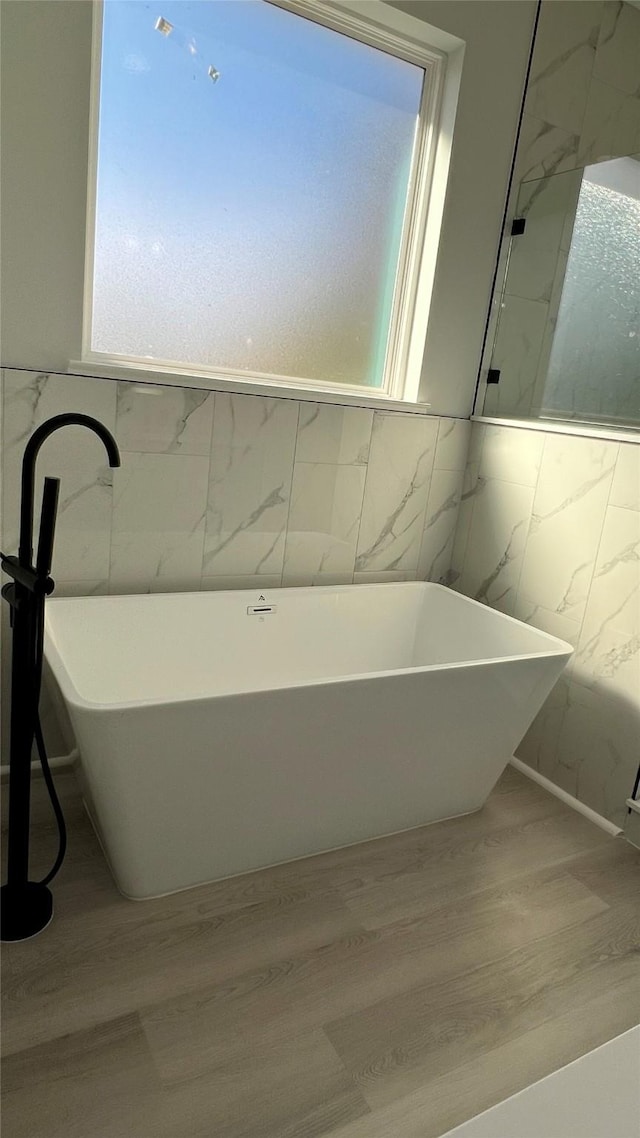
x=396, y=33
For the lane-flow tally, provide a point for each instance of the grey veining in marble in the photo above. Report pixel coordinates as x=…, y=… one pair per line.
x=625, y=490
x=172, y=420
x=324, y=520
x=329, y=433
x=72, y=454
x=159, y=515
x=250, y=482
x=579, y=580
x=563, y=62
x=544, y=149
x=204, y=497
x=568, y=512
x=471, y=486
x=436, y=549
x=396, y=492
x=497, y=537
x=453, y=444
x=582, y=108
x=611, y=125
x=608, y=652
x=617, y=59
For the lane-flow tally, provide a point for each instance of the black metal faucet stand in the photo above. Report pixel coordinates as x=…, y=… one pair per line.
x=27, y=906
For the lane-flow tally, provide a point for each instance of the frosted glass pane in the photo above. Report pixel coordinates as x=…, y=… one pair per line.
x=252, y=181
x=594, y=368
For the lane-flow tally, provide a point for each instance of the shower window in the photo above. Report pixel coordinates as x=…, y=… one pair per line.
x=594, y=364
x=260, y=194
x=567, y=343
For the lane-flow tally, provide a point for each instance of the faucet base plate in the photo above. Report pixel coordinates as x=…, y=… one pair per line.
x=25, y=910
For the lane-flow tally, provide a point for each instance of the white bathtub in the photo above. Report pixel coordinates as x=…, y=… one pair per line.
x=215, y=739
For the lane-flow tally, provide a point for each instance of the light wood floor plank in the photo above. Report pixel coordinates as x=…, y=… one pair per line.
x=497, y=946
x=491, y=1076
x=95, y=967
x=94, y=1084
x=468, y=867
x=397, y=1045
x=354, y=973
x=102, y=1083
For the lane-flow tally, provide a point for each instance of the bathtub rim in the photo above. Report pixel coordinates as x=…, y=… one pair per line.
x=73, y=697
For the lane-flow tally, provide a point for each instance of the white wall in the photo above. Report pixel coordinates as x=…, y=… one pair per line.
x=45, y=77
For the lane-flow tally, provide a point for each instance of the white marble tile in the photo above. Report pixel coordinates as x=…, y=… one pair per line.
x=563, y=62
x=538, y=399
x=618, y=53
x=328, y=433
x=460, y=543
x=159, y=513
x=250, y=483
x=82, y=588
x=547, y=621
x=452, y=447
x=544, y=204
x=625, y=490
x=568, y=514
x=470, y=488
x=596, y=757
x=306, y=580
x=516, y=354
x=172, y=420
x=569, y=224
x=381, y=577
x=396, y=491
x=609, y=649
x=544, y=149
x=324, y=519
x=256, y=582
x=611, y=125
x=474, y=457
x=512, y=455
x=497, y=537
x=434, y=563
x=74, y=455
x=539, y=745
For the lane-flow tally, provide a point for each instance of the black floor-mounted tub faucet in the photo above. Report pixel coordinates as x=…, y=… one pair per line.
x=27, y=906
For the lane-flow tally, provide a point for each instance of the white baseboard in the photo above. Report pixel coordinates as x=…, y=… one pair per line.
x=55, y=763
x=565, y=797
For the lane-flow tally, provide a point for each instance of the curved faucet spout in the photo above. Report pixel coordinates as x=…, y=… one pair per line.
x=25, y=552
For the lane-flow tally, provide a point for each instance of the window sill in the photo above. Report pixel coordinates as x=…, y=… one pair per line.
x=135, y=374
x=565, y=427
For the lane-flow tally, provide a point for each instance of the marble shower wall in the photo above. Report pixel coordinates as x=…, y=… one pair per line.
x=234, y=491
x=582, y=107
x=549, y=532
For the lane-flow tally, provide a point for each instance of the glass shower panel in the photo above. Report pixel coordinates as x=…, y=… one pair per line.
x=253, y=173
x=594, y=367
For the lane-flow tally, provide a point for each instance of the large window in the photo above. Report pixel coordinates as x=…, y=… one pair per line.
x=260, y=193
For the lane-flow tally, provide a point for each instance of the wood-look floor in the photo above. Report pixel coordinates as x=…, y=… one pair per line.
x=389, y=990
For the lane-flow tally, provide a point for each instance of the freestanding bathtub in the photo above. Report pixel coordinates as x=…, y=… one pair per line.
x=224, y=731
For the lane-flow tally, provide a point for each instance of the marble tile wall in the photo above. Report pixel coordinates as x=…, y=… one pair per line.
x=582, y=107
x=549, y=532
x=221, y=491
x=583, y=98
